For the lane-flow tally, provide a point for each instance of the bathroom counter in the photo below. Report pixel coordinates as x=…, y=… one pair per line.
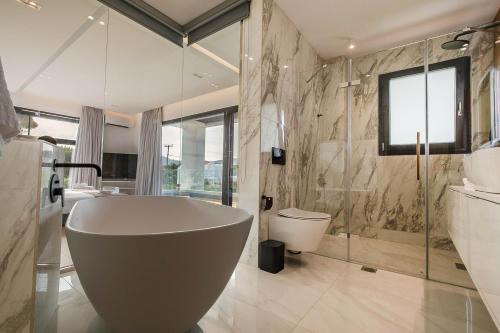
x=474, y=226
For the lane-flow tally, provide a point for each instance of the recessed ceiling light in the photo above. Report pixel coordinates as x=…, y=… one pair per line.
x=90, y=17
x=31, y=3
x=250, y=58
x=285, y=66
x=102, y=23
x=351, y=45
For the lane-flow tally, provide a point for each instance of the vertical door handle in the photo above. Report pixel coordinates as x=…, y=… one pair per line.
x=418, y=155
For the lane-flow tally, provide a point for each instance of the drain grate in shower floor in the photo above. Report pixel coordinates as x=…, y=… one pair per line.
x=368, y=269
x=460, y=266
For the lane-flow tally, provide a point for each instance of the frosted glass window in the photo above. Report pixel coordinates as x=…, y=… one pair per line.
x=442, y=97
x=402, y=106
x=407, y=107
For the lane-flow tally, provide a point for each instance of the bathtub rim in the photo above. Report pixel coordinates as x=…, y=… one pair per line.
x=69, y=227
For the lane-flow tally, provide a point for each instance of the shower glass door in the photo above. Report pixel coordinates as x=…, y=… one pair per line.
x=323, y=151
x=459, y=94
x=383, y=138
x=386, y=176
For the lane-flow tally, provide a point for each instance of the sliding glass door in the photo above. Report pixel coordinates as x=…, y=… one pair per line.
x=198, y=156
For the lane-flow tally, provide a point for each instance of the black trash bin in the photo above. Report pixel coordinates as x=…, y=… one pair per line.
x=271, y=256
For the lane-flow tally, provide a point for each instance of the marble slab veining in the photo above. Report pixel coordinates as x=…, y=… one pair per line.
x=19, y=181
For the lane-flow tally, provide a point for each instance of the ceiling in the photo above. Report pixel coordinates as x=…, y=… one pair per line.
x=110, y=62
x=330, y=25
x=183, y=11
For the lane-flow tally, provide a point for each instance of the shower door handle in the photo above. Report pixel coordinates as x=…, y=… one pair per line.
x=418, y=155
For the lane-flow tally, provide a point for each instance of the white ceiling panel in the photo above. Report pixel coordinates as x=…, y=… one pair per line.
x=329, y=25
x=29, y=37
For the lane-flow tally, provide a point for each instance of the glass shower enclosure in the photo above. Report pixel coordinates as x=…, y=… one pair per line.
x=393, y=129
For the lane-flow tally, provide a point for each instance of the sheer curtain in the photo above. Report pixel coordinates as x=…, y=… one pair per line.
x=88, y=148
x=148, y=177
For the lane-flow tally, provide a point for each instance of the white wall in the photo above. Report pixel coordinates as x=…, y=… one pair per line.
x=122, y=140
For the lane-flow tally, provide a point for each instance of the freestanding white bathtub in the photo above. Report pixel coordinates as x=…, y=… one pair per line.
x=154, y=264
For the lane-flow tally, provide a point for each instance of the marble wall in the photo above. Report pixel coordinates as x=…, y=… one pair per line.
x=285, y=54
x=292, y=99
x=19, y=181
x=385, y=193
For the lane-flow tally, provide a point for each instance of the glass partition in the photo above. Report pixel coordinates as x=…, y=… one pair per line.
x=471, y=112
x=386, y=216
x=199, y=158
x=323, y=133
x=394, y=130
x=144, y=70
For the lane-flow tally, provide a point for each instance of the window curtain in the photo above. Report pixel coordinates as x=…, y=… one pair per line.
x=88, y=148
x=148, y=177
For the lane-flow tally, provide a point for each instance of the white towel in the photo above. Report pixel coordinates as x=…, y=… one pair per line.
x=9, y=125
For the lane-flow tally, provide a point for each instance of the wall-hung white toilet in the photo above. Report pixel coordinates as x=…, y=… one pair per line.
x=300, y=230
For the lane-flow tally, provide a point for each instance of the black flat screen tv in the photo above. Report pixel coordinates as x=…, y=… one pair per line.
x=119, y=166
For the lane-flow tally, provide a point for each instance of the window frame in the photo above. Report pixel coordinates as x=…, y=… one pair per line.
x=229, y=114
x=48, y=115
x=463, y=140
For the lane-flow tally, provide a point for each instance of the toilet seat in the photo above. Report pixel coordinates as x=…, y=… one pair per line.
x=299, y=214
x=300, y=230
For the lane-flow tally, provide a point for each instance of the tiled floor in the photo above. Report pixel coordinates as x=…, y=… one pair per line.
x=314, y=294
x=66, y=260
x=398, y=256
